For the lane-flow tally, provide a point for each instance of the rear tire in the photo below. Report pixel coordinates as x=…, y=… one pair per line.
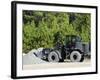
x=53, y=57
x=76, y=56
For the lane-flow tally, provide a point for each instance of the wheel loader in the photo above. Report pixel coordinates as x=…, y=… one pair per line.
x=73, y=49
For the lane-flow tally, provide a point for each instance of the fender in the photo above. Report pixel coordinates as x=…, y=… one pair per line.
x=59, y=53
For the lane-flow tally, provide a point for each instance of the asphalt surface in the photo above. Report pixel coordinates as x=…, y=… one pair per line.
x=65, y=64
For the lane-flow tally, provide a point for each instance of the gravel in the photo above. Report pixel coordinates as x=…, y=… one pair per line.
x=31, y=58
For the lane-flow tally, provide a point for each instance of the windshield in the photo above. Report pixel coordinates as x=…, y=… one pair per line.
x=72, y=39
x=78, y=39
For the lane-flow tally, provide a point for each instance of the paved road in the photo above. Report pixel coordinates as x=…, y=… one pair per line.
x=65, y=64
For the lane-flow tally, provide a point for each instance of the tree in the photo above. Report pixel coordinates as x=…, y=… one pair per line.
x=42, y=28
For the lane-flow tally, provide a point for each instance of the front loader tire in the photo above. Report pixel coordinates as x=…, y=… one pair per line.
x=53, y=57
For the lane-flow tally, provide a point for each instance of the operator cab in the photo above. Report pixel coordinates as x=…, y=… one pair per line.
x=71, y=41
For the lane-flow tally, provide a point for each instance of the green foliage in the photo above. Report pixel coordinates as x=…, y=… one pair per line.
x=41, y=28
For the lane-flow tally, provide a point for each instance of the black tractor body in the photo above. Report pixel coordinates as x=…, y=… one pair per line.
x=73, y=49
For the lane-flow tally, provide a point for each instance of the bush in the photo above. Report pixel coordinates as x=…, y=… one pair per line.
x=40, y=29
